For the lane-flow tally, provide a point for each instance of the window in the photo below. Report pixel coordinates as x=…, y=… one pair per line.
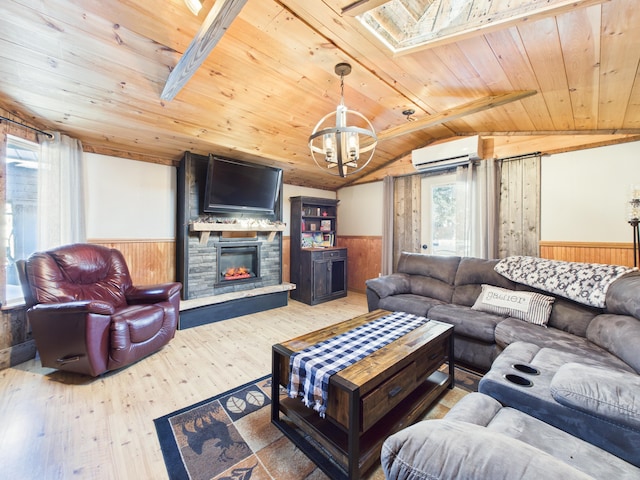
x=443, y=219
x=20, y=234
x=439, y=217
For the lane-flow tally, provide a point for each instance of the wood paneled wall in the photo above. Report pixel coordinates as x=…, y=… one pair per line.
x=591, y=252
x=149, y=261
x=364, y=260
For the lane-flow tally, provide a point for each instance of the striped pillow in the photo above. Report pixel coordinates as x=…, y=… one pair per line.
x=528, y=306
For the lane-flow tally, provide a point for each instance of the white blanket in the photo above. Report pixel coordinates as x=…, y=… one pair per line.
x=585, y=283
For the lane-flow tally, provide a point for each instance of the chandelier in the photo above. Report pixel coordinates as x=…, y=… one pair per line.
x=194, y=6
x=341, y=146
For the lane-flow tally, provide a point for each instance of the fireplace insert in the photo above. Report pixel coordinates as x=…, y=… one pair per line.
x=237, y=262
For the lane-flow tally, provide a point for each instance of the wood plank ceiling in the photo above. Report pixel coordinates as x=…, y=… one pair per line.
x=96, y=70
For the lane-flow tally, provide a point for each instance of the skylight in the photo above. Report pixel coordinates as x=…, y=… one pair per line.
x=408, y=25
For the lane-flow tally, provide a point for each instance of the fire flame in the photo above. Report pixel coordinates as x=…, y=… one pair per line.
x=237, y=272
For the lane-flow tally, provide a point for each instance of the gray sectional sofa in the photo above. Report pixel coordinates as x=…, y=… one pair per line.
x=561, y=392
x=446, y=289
x=480, y=439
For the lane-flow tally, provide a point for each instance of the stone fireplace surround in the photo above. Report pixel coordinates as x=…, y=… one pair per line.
x=205, y=298
x=204, y=267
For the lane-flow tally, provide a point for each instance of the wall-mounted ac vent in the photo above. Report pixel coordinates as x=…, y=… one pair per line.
x=447, y=155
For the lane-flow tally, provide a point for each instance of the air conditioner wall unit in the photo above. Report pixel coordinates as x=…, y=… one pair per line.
x=447, y=154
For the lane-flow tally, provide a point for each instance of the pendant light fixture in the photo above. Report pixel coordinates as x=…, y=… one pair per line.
x=194, y=6
x=340, y=146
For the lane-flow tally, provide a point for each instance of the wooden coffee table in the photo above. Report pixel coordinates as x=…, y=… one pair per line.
x=369, y=400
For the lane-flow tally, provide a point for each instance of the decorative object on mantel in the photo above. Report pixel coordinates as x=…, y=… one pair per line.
x=207, y=224
x=634, y=219
x=341, y=145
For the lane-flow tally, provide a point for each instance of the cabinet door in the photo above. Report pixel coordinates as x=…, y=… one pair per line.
x=321, y=279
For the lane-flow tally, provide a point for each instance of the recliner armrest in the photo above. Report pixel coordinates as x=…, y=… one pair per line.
x=602, y=392
x=80, y=306
x=393, y=284
x=152, y=293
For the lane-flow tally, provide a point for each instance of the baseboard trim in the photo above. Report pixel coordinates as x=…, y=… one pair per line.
x=216, y=312
x=17, y=354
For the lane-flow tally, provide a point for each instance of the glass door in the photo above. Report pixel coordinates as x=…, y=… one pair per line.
x=438, y=203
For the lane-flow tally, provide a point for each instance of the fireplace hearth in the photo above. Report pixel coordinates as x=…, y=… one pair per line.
x=237, y=262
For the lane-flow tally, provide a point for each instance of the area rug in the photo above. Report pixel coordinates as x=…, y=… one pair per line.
x=230, y=436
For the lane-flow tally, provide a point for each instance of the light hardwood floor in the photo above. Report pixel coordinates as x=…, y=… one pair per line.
x=56, y=425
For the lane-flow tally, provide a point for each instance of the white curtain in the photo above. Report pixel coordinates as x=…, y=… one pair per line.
x=477, y=204
x=61, y=216
x=387, y=225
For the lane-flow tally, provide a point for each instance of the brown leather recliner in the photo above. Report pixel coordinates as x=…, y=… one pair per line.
x=85, y=314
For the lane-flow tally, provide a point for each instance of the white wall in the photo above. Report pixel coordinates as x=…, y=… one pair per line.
x=360, y=210
x=584, y=194
x=127, y=199
x=584, y=197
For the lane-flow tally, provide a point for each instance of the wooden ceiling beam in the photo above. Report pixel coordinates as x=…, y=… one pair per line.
x=361, y=6
x=455, y=113
x=219, y=18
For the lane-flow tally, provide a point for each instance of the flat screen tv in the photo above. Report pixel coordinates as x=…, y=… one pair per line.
x=238, y=187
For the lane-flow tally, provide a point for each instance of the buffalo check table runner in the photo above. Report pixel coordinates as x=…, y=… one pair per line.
x=312, y=367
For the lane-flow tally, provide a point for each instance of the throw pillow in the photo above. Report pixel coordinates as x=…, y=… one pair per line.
x=528, y=306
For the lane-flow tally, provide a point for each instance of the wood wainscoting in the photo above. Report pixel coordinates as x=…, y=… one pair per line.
x=589, y=252
x=150, y=261
x=364, y=259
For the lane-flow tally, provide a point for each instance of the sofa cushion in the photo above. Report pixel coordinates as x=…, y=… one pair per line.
x=553, y=358
x=512, y=330
x=479, y=438
x=618, y=334
x=528, y=306
x=431, y=287
x=468, y=322
x=622, y=295
x=472, y=273
x=141, y=323
x=448, y=449
x=434, y=266
x=572, y=317
x=416, y=304
x=601, y=392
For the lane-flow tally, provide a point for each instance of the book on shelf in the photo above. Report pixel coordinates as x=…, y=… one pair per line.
x=312, y=239
x=325, y=225
x=312, y=211
x=328, y=240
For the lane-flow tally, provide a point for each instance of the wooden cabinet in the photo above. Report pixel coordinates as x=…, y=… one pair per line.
x=327, y=271
x=318, y=266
